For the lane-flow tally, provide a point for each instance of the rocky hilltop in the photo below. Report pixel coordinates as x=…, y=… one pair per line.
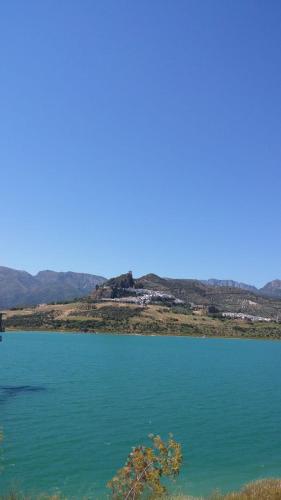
x=192, y=293
x=125, y=288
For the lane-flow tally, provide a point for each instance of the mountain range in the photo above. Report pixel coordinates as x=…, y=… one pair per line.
x=271, y=289
x=230, y=284
x=20, y=288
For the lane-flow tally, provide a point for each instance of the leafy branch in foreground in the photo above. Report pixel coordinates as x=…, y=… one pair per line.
x=144, y=468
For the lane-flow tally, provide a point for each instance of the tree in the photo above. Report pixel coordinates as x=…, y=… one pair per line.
x=144, y=468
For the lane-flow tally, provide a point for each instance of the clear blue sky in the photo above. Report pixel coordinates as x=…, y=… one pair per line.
x=141, y=135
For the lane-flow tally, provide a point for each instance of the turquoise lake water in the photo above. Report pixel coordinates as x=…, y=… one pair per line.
x=72, y=405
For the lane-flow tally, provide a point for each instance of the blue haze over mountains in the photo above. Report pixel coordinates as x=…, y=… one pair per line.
x=230, y=283
x=20, y=288
x=271, y=289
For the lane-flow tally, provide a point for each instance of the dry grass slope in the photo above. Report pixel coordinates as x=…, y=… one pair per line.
x=112, y=317
x=266, y=489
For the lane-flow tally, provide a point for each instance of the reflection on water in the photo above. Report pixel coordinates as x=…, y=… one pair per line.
x=9, y=391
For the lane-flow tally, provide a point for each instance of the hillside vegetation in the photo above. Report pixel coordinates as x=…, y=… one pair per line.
x=121, y=318
x=230, y=299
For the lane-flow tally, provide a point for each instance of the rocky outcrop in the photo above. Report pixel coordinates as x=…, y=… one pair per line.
x=114, y=288
x=122, y=281
x=125, y=289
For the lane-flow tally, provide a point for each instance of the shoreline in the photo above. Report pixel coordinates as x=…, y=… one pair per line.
x=141, y=334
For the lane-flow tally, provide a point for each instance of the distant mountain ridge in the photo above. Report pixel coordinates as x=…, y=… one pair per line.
x=231, y=284
x=19, y=288
x=271, y=289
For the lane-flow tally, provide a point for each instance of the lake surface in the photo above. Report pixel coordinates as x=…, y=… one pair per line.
x=72, y=405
